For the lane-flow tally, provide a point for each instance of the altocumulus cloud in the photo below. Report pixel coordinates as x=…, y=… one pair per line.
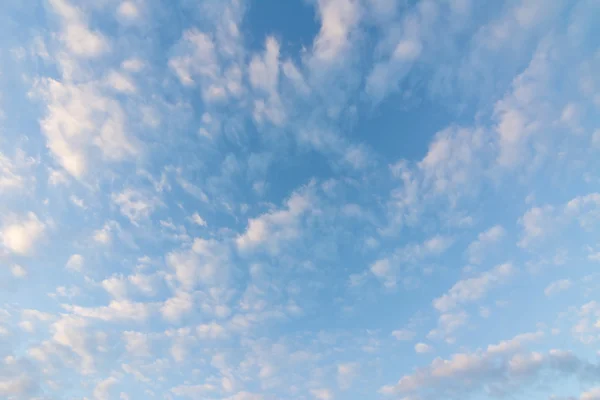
x=328, y=199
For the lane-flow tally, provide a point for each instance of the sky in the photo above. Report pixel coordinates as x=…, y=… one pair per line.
x=299, y=199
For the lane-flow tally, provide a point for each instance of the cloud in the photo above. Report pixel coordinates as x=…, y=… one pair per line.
x=207, y=263
x=211, y=330
x=75, y=131
x=17, y=379
x=71, y=332
x=387, y=269
x=516, y=113
x=557, y=287
x=137, y=343
x=120, y=82
x=453, y=161
x=177, y=306
x=322, y=394
x=399, y=47
x=136, y=205
x=472, y=289
x=20, y=235
x=536, y=222
x=11, y=177
x=586, y=327
x=448, y=323
x=103, y=388
x=423, y=348
x=117, y=310
x=76, y=35
x=273, y=229
x=503, y=369
x=75, y=263
x=592, y=394
x=103, y=235
x=346, y=374
x=264, y=78
x=404, y=335
x=478, y=247
x=197, y=219
x=383, y=270
x=245, y=396
x=338, y=19
x=193, y=391
x=116, y=286
x=18, y=271
x=128, y=11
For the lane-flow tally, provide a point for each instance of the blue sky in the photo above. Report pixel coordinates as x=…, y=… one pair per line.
x=302, y=199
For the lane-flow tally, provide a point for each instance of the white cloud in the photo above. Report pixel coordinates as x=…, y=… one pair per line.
x=407, y=50
x=71, y=332
x=76, y=35
x=383, y=270
x=273, y=229
x=197, y=63
x=103, y=388
x=116, y=286
x=448, y=324
x=536, y=222
x=77, y=201
x=264, y=71
x=75, y=263
x=245, y=396
x=587, y=324
x=117, y=310
x=174, y=308
x=56, y=177
x=103, y=235
x=133, y=65
x=338, y=19
x=79, y=120
x=30, y=318
x=128, y=11
x=144, y=283
x=195, y=391
x=264, y=78
x=472, y=289
x=120, y=82
x=10, y=175
x=557, y=287
x=211, y=330
x=18, y=271
x=521, y=113
x=207, y=263
x=400, y=47
x=477, y=248
x=423, y=348
x=453, y=162
x=136, y=205
x=137, y=343
x=20, y=236
x=502, y=366
x=322, y=394
x=404, y=335
x=17, y=385
x=197, y=219
x=346, y=374
x=592, y=394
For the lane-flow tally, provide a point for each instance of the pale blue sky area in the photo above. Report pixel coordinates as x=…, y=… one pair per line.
x=299, y=199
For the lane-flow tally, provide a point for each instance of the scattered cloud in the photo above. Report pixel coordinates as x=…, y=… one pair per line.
x=473, y=289
x=20, y=234
x=557, y=287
